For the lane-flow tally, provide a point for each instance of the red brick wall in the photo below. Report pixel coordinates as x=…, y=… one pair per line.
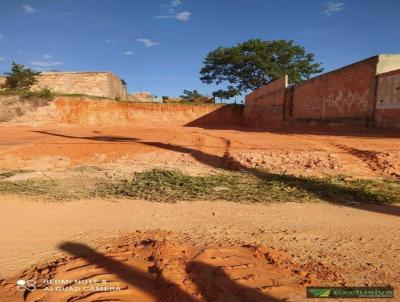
x=347, y=93
x=264, y=107
x=387, y=114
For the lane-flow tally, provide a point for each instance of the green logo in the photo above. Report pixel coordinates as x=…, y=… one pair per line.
x=350, y=292
x=319, y=292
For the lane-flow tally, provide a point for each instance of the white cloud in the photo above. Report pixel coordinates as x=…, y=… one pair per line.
x=128, y=52
x=42, y=64
x=1, y=36
x=183, y=16
x=110, y=41
x=175, y=3
x=2, y=58
x=333, y=7
x=148, y=42
x=47, y=56
x=28, y=9
x=171, y=12
x=165, y=17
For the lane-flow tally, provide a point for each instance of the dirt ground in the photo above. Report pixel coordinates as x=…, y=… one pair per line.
x=197, y=150
x=320, y=244
x=194, y=251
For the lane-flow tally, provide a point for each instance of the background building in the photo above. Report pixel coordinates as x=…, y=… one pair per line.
x=102, y=84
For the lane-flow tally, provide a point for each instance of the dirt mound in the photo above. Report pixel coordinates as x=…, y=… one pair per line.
x=389, y=163
x=153, y=266
x=386, y=162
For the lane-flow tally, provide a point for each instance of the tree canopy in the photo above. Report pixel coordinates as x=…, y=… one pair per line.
x=195, y=96
x=254, y=63
x=20, y=77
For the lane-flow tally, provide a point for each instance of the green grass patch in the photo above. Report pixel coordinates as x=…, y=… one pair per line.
x=165, y=185
x=27, y=187
x=45, y=94
x=170, y=186
x=44, y=188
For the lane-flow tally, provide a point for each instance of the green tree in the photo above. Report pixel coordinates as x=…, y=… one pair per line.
x=226, y=94
x=254, y=63
x=20, y=77
x=190, y=95
x=195, y=96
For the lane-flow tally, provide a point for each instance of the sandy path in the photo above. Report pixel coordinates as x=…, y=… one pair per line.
x=362, y=245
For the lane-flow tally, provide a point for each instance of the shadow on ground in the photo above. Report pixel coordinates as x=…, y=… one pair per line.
x=231, y=117
x=327, y=191
x=98, y=138
x=199, y=273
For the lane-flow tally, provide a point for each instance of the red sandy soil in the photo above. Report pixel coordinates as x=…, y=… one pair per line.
x=198, y=150
x=271, y=250
x=217, y=251
x=152, y=266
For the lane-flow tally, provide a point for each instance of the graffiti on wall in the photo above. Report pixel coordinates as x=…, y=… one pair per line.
x=340, y=104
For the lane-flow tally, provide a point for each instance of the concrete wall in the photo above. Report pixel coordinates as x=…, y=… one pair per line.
x=264, y=107
x=117, y=89
x=346, y=94
x=387, y=63
x=88, y=111
x=103, y=84
x=387, y=113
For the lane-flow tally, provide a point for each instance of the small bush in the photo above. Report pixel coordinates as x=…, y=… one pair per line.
x=45, y=93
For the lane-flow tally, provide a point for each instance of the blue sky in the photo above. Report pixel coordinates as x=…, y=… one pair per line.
x=159, y=46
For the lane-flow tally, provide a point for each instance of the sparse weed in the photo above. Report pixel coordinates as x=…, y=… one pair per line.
x=9, y=173
x=165, y=185
x=170, y=186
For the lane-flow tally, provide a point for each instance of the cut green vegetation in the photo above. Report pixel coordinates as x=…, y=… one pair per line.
x=170, y=186
x=46, y=189
x=164, y=185
x=27, y=187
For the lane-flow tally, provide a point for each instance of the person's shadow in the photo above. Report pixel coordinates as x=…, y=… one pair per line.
x=212, y=283
x=215, y=285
